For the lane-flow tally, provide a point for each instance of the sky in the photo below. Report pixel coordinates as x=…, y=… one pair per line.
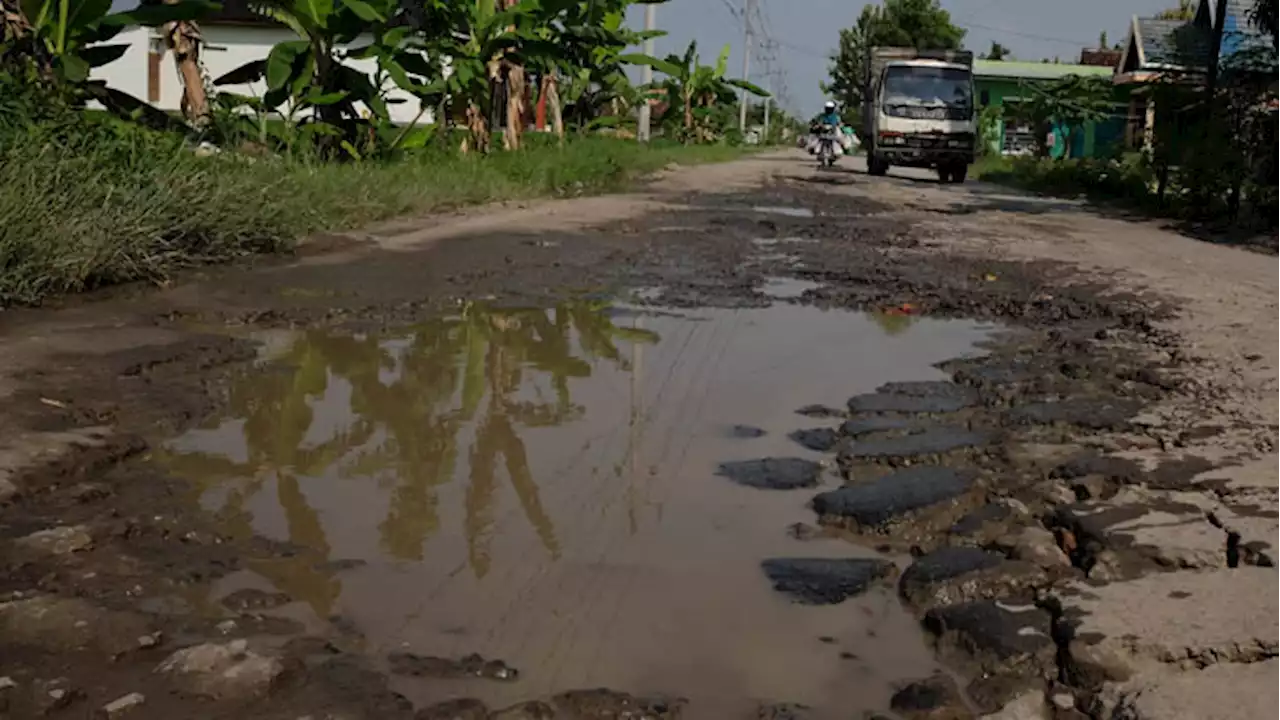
x=806, y=32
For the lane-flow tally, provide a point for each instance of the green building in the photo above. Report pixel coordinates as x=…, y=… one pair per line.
x=1004, y=82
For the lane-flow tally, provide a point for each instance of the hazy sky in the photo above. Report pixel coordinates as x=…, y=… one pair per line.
x=807, y=31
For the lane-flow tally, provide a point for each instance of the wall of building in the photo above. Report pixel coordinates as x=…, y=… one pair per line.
x=1094, y=139
x=227, y=47
x=129, y=72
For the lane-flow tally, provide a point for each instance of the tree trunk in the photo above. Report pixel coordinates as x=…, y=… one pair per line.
x=183, y=39
x=478, y=125
x=688, y=112
x=513, y=75
x=551, y=90
x=515, y=106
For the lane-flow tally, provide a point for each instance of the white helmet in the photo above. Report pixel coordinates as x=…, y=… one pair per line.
x=829, y=107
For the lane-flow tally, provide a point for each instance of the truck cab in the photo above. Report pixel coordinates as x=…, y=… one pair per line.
x=919, y=111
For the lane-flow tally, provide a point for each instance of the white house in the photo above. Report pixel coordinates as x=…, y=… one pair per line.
x=233, y=37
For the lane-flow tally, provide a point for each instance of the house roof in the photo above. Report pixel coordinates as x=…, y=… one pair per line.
x=1172, y=43
x=1167, y=44
x=1021, y=70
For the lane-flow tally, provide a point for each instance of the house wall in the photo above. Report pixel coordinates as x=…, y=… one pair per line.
x=129, y=72
x=1096, y=139
x=227, y=47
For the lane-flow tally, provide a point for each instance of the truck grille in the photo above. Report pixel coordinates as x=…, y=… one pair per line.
x=927, y=113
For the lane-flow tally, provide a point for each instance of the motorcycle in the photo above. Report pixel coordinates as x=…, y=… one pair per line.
x=829, y=146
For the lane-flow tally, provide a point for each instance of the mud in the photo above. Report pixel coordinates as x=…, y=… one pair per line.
x=548, y=444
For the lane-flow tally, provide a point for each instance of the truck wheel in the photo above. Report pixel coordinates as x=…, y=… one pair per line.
x=877, y=166
x=959, y=173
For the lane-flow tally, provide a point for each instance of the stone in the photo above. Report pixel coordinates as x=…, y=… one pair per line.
x=456, y=709
x=998, y=638
x=895, y=498
x=915, y=397
x=89, y=492
x=825, y=581
x=470, y=666
x=934, y=698
x=1063, y=700
x=228, y=670
x=529, y=710
x=982, y=525
x=1026, y=706
x=817, y=411
x=1035, y=545
x=122, y=706
x=773, y=473
x=1186, y=619
x=64, y=624
x=603, y=703
x=746, y=432
x=1090, y=413
x=8, y=689
x=876, y=423
x=960, y=574
x=784, y=711
x=146, y=642
x=253, y=600
x=816, y=439
x=62, y=540
x=49, y=696
x=933, y=440
x=9, y=491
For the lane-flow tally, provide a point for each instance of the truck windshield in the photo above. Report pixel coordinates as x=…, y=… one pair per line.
x=928, y=86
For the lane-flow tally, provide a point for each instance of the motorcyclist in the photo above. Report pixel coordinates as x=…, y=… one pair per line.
x=830, y=116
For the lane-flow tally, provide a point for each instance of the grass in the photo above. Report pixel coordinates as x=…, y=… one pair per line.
x=85, y=209
x=1127, y=180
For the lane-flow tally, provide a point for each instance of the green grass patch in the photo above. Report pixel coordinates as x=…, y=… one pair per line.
x=89, y=207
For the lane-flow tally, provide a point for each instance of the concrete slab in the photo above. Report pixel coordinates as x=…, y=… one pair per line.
x=1228, y=691
x=1169, y=529
x=1184, y=619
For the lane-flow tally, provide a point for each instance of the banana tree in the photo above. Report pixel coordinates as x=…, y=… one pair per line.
x=310, y=77
x=696, y=89
x=592, y=36
x=484, y=44
x=68, y=38
x=183, y=40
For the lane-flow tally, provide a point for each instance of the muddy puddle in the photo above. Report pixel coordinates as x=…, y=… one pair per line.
x=540, y=487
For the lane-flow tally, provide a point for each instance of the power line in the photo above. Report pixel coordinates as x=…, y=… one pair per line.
x=1031, y=36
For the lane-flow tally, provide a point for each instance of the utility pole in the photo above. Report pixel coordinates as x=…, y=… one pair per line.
x=646, y=75
x=767, y=101
x=748, y=7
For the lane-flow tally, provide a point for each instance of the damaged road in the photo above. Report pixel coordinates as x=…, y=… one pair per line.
x=816, y=445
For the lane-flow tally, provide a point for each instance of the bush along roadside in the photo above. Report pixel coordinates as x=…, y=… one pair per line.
x=1125, y=181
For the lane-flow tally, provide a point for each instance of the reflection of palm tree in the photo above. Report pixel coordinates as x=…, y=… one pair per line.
x=410, y=398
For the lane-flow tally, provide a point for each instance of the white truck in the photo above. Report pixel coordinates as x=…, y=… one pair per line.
x=918, y=111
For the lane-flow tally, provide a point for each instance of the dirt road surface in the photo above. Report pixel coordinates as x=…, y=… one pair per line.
x=753, y=441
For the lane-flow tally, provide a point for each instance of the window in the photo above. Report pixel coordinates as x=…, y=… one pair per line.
x=984, y=98
x=930, y=86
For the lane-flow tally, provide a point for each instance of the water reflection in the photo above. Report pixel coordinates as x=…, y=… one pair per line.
x=522, y=488
x=414, y=401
